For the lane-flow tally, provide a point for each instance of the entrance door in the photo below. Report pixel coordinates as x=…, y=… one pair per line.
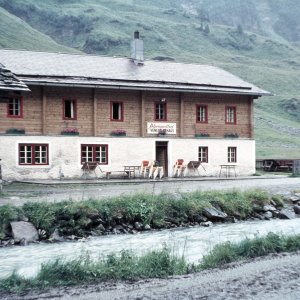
x=162, y=155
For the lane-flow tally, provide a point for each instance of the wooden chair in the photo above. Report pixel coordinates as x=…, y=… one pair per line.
x=179, y=168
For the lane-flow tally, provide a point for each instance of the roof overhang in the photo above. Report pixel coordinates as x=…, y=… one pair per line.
x=138, y=85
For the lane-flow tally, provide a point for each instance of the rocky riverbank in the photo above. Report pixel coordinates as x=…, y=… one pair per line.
x=59, y=222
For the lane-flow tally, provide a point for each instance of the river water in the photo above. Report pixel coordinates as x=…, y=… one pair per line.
x=192, y=242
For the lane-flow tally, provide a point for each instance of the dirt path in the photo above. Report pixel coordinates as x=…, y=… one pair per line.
x=275, y=277
x=18, y=194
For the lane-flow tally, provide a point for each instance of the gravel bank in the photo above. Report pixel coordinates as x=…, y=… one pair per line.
x=275, y=277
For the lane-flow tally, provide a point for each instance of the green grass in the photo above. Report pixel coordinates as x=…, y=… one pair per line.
x=249, y=248
x=74, y=218
x=126, y=266
x=154, y=264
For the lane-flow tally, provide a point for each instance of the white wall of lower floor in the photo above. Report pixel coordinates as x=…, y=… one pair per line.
x=65, y=157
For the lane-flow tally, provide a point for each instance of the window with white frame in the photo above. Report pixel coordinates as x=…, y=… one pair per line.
x=15, y=107
x=94, y=153
x=33, y=154
x=160, y=111
x=203, y=154
x=201, y=114
x=116, y=111
x=232, y=154
x=230, y=115
x=70, y=109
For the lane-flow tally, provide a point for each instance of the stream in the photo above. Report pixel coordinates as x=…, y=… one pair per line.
x=192, y=242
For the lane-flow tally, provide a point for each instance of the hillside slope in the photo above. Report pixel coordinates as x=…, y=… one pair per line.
x=255, y=39
x=15, y=33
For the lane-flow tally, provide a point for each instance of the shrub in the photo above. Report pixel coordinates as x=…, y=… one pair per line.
x=8, y=213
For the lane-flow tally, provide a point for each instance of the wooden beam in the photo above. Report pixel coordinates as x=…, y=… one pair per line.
x=251, y=116
x=95, y=113
x=44, y=109
x=181, y=117
x=142, y=97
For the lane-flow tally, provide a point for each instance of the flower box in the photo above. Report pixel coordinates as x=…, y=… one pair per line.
x=15, y=131
x=70, y=131
x=118, y=133
x=202, y=135
x=231, y=135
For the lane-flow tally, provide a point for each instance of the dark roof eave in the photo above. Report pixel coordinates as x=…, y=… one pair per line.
x=147, y=88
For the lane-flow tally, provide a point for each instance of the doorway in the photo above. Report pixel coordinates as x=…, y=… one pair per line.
x=161, y=155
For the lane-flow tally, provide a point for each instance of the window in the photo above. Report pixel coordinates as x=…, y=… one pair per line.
x=94, y=153
x=15, y=107
x=203, y=154
x=232, y=154
x=116, y=111
x=201, y=114
x=69, y=109
x=160, y=111
x=33, y=154
x=230, y=115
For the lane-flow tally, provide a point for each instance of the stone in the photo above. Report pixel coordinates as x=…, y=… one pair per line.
x=119, y=227
x=258, y=216
x=24, y=230
x=23, y=242
x=268, y=215
x=138, y=226
x=55, y=236
x=256, y=207
x=296, y=209
x=147, y=227
x=286, y=214
x=100, y=228
x=214, y=214
x=200, y=218
x=268, y=208
x=206, y=224
x=294, y=199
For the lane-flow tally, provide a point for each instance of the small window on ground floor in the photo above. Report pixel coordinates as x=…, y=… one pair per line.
x=94, y=153
x=33, y=154
x=203, y=154
x=232, y=154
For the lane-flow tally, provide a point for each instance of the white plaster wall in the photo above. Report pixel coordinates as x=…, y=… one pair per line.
x=64, y=154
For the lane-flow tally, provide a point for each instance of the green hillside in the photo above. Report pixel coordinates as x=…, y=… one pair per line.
x=255, y=39
x=15, y=33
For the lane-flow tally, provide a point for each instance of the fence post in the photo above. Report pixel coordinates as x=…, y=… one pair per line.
x=296, y=167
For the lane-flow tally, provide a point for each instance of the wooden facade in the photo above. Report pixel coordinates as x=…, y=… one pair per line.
x=43, y=112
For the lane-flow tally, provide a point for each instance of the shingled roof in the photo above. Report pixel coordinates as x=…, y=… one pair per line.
x=9, y=81
x=43, y=68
